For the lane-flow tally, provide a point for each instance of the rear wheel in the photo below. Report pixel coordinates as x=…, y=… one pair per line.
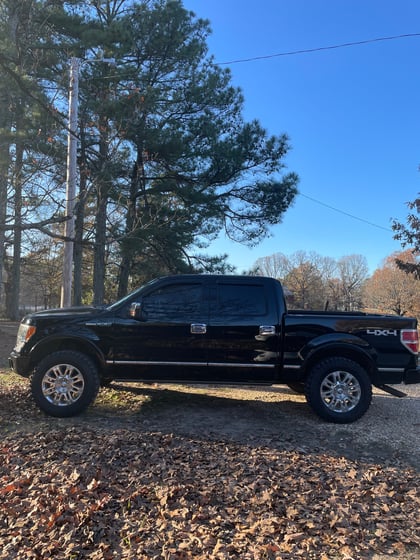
x=339, y=390
x=65, y=383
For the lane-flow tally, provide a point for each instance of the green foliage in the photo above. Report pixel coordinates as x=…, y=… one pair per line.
x=166, y=160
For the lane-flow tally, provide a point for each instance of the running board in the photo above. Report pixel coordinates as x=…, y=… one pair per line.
x=391, y=391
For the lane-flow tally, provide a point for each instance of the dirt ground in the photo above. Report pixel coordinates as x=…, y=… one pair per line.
x=276, y=416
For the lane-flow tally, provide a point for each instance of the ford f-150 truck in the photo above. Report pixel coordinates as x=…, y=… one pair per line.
x=215, y=329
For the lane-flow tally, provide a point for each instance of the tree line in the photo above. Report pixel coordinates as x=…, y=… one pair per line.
x=311, y=281
x=165, y=158
x=316, y=282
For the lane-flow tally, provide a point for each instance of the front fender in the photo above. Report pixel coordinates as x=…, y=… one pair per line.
x=57, y=342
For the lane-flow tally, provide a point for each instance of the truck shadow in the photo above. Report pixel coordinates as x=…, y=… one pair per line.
x=274, y=416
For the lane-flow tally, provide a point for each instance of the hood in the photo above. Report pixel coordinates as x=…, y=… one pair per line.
x=65, y=312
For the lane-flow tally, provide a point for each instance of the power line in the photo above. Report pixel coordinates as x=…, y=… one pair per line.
x=318, y=49
x=345, y=213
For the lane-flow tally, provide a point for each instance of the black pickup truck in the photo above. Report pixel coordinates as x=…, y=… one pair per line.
x=215, y=329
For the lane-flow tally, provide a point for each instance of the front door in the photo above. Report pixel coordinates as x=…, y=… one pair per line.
x=168, y=341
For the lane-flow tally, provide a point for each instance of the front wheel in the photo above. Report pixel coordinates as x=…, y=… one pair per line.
x=65, y=383
x=339, y=390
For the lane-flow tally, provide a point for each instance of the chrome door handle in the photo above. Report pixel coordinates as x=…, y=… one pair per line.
x=198, y=328
x=267, y=330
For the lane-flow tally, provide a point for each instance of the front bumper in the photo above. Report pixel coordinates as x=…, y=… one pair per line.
x=20, y=364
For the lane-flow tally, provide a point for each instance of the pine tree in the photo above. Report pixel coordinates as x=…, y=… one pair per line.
x=166, y=159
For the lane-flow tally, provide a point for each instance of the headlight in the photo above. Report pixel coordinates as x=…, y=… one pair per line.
x=24, y=334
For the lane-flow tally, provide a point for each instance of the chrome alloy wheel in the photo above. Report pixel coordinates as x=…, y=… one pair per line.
x=63, y=384
x=340, y=391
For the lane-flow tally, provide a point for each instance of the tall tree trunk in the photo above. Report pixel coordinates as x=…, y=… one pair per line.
x=99, y=255
x=4, y=174
x=78, y=245
x=126, y=253
x=79, y=223
x=3, y=215
x=101, y=217
x=12, y=297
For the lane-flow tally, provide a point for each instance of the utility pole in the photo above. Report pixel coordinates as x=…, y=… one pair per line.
x=71, y=180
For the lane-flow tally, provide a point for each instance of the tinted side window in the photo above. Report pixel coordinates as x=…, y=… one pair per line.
x=241, y=300
x=179, y=302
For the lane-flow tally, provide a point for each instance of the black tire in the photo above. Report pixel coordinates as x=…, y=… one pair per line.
x=339, y=390
x=297, y=387
x=65, y=383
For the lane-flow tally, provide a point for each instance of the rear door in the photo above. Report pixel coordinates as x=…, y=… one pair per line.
x=243, y=331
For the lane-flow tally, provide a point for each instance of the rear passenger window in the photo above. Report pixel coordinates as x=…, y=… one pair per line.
x=241, y=300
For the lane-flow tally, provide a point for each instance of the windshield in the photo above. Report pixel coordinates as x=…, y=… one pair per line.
x=131, y=295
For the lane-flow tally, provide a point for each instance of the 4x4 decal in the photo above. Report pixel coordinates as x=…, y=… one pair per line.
x=382, y=332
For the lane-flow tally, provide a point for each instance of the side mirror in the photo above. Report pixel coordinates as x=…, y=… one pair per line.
x=136, y=311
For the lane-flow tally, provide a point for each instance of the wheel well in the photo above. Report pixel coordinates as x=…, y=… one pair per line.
x=78, y=345
x=358, y=356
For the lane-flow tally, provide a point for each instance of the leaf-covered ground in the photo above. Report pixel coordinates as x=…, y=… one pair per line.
x=100, y=494
x=110, y=485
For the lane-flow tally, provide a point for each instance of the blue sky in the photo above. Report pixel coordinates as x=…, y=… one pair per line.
x=352, y=115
